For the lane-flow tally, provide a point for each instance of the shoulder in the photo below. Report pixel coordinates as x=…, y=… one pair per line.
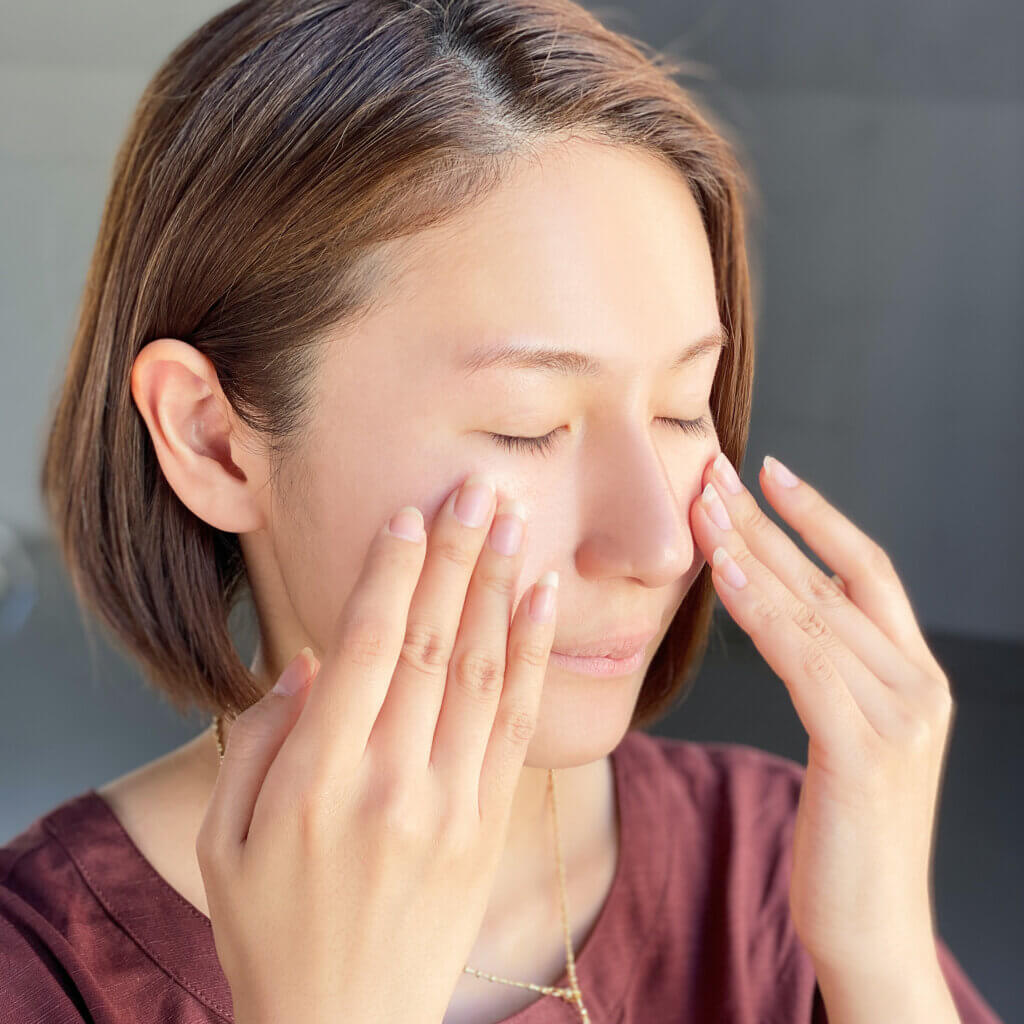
x=41, y=892
x=37, y=866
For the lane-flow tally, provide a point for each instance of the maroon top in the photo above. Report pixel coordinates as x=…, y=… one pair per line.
x=696, y=926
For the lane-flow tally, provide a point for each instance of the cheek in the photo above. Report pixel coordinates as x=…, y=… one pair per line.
x=317, y=545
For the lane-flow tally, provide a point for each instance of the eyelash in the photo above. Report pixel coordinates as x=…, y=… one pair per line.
x=543, y=445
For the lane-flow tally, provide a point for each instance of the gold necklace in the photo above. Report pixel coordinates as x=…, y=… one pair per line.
x=572, y=994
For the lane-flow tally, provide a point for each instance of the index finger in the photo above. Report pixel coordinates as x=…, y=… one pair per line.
x=356, y=669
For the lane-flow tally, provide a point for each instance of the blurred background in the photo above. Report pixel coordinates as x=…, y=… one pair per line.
x=887, y=142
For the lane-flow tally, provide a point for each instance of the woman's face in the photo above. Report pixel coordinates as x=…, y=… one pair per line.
x=595, y=249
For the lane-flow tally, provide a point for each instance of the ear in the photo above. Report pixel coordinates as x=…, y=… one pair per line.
x=198, y=437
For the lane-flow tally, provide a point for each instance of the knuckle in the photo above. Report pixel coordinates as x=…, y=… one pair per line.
x=424, y=649
x=755, y=522
x=400, y=820
x=531, y=653
x=397, y=805
x=517, y=724
x=938, y=703
x=766, y=611
x=744, y=559
x=312, y=813
x=908, y=726
x=498, y=582
x=878, y=561
x=454, y=549
x=919, y=733
x=362, y=641
x=823, y=590
x=816, y=663
x=478, y=673
x=811, y=622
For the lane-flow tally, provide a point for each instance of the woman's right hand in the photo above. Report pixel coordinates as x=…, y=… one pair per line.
x=354, y=832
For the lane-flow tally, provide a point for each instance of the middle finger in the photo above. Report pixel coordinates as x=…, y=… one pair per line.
x=478, y=665
x=405, y=724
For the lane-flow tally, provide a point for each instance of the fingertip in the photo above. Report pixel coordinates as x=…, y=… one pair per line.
x=312, y=662
x=544, y=597
x=407, y=524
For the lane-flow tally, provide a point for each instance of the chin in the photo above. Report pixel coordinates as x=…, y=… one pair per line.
x=581, y=719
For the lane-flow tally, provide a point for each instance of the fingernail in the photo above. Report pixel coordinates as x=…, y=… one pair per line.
x=507, y=529
x=474, y=501
x=731, y=572
x=407, y=523
x=727, y=474
x=779, y=473
x=312, y=661
x=542, y=602
x=295, y=675
x=717, y=511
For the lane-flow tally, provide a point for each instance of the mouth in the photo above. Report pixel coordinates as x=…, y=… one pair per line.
x=599, y=666
x=611, y=646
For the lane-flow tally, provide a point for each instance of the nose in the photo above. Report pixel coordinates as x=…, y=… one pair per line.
x=636, y=512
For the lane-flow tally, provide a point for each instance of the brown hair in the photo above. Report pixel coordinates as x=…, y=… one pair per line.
x=267, y=162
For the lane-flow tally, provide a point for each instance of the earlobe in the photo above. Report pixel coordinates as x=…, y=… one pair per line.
x=191, y=427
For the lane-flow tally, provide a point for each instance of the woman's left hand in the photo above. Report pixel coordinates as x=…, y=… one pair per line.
x=875, y=703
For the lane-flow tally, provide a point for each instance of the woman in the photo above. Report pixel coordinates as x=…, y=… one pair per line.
x=338, y=238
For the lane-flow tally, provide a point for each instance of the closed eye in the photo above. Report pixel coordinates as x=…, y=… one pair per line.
x=543, y=445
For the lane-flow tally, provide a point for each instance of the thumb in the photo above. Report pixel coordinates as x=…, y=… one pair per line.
x=255, y=738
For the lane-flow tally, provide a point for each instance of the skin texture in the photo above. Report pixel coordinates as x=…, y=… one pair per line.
x=595, y=248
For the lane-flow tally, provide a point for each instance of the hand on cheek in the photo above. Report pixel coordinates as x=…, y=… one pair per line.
x=875, y=702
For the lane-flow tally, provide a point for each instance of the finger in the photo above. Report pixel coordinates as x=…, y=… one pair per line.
x=529, y=647
x=476, y=671
x=408, y=717
x=770, y=545
x=871, y=581
x=876, y=702
x=253, y=742
x=834, y=722
x=336, y=721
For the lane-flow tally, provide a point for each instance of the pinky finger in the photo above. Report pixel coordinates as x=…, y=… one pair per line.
x=529, y=647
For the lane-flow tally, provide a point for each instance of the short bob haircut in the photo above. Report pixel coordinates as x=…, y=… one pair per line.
x=267, y=162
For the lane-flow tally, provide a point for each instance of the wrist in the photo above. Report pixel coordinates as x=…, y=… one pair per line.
x=898, y=992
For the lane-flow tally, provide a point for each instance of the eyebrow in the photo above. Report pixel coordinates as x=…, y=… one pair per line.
x=575, y=364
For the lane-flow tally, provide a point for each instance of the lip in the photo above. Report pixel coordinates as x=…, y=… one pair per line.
x=599, y=666
x=623, y=646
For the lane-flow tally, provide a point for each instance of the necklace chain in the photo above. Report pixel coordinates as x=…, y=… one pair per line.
x=572, y=993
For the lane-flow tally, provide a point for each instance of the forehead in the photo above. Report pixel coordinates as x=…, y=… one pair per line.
x=594, y=248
